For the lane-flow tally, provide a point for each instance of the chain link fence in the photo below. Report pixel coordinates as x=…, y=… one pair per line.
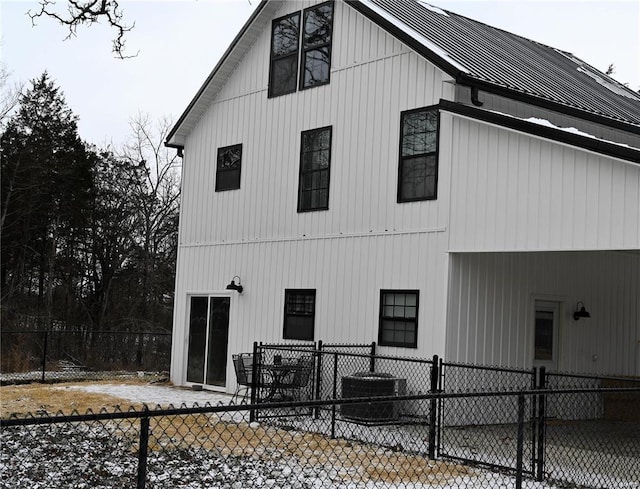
x=220, y=447
x=54, y=356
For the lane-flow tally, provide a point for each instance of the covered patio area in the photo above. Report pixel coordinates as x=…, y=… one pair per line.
x=516, y=309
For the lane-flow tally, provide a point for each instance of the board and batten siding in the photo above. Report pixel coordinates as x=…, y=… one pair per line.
x=362, y=103
x=347, y=272
x=491, y=308
x=511, y=191
x=365, y=242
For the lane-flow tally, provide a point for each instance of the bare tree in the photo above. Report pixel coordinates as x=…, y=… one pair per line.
x=88, y=12
x=157, y=196
x=9, y=95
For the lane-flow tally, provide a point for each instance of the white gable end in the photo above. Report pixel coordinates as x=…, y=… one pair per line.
x=374, y=78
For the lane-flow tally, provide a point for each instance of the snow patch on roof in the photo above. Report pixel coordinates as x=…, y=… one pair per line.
x=608, y=83
x=601, y=78
x=572, y=130
x=433, y=8
x=415, y=35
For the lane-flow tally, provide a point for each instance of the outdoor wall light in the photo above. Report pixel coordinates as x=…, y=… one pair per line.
x=238, y=288
x=581, y=312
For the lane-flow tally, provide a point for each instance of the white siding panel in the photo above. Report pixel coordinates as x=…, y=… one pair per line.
x=347, y=273
x=362, y=103
x=511, y=191
x=491, y=298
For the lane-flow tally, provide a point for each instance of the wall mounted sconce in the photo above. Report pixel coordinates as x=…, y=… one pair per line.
x=236, y=286
x=581, y=312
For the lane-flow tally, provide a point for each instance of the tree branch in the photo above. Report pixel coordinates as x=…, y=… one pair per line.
x=88, y=12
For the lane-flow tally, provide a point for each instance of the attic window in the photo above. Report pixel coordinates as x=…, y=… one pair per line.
x=313, y=53
x=283, y=73
x=316, y=46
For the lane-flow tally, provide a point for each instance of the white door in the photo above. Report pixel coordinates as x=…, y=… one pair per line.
x=546, y=325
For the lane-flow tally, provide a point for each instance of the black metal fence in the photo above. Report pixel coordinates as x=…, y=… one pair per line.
x=48, y=356
x=218, y=446
x=339, y=373
x=333, y=364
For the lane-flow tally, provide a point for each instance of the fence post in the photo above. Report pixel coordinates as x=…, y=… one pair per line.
x=372, y=358
x=534, y=419
x=44, y=355
x=519, y=456
x=540, y=428
x=255, y=384
x=433, y=406
x=316, y=410
x=335, y=394
x=142, y=451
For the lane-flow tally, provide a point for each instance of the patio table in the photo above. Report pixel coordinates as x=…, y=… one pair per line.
x=282, y=375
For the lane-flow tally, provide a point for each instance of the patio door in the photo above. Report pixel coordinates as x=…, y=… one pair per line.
x=546, y=324
x=208, y=339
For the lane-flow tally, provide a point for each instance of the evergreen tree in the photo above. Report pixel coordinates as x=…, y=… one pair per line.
x=46, y=187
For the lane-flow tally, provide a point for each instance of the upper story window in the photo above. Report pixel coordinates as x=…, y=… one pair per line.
x=228, y=167
x=316, y=46
x=315, y=164
x=418, y=168
x=398, y=318
x=299, y=314
x=283, y=73
x=313, y=53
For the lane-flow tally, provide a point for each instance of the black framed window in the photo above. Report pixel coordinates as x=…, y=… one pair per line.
x=285, y=40
x=418, y=168
x=315, y=164
x=313, y=52
x=398, y=318
x=316, y=45
x=299, y=314
x=228, y=167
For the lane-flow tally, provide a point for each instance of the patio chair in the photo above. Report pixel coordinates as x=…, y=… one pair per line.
x=243, y=365
x=300, y=378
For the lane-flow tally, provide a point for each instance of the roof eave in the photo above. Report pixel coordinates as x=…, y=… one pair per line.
x=467, y=80
x=595, y=145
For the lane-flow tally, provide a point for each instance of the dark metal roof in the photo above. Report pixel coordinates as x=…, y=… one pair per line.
x=496, y=58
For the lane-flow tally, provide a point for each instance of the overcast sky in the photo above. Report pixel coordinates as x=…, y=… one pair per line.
x=179, y=42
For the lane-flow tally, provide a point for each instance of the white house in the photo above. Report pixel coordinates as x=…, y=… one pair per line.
x=387, y=171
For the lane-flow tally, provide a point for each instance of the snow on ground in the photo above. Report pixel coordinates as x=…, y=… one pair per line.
x=153, y=394
x=89, y=455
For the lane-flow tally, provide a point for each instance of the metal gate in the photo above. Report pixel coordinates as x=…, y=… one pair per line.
x=483, y=430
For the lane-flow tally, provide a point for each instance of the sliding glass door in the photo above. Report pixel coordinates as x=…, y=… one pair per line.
x=208, y=339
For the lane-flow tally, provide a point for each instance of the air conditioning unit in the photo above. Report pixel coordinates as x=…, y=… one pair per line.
x=372, y=384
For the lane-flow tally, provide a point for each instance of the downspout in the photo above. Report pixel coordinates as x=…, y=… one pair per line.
x=177, y=368
x=474, y=97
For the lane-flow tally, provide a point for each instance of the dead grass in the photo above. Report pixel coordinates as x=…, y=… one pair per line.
x=357, y=462
x=38, y=398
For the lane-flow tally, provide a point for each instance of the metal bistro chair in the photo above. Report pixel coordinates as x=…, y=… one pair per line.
x=300, y=377
x=243, y=365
